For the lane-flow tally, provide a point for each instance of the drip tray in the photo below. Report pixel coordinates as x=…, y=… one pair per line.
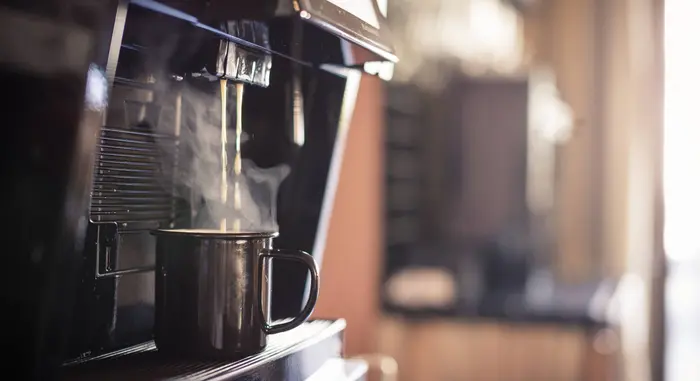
x=291, y=356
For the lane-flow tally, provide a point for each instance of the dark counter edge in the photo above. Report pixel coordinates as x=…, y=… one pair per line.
x=585, y=313
x=425, y=315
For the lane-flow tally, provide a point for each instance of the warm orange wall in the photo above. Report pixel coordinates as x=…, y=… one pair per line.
x=350, y=269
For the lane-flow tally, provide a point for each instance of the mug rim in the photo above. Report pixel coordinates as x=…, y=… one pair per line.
x=214, y=234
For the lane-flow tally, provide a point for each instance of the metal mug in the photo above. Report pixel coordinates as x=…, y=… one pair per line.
x=213, y=292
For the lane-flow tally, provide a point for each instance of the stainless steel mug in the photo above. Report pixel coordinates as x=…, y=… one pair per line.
x=213, y=292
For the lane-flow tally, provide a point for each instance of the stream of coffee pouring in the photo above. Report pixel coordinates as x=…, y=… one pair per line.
x=224, y=158
x=237, y=160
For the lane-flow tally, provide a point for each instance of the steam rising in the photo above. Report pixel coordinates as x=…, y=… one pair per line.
x=199, y=169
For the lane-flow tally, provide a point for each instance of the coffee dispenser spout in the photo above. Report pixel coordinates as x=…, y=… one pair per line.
x=233, y=61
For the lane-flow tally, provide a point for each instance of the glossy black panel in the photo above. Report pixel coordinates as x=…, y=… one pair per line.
x=46, y=158
x=376, y=38
x=290, y=356
x=37, y=156
x=329, y=18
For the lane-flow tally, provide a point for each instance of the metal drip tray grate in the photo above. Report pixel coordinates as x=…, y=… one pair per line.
x=143, y=362
x=132, y=178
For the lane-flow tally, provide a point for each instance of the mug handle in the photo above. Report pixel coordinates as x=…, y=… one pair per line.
x=294, y=256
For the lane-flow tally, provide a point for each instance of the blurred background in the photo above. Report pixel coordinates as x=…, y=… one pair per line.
x=519, y=201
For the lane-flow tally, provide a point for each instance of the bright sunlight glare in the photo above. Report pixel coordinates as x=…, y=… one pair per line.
x=682, y=129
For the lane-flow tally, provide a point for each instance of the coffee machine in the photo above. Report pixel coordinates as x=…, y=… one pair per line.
x=92, y=162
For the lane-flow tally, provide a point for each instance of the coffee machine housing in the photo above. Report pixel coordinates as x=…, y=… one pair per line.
x=298, y=60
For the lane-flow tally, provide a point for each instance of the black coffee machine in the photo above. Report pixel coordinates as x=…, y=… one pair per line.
x=89, y=85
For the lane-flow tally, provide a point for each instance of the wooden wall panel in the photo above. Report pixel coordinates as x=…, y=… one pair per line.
x=351, y=263
x=452, y=351
x=571, y=54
